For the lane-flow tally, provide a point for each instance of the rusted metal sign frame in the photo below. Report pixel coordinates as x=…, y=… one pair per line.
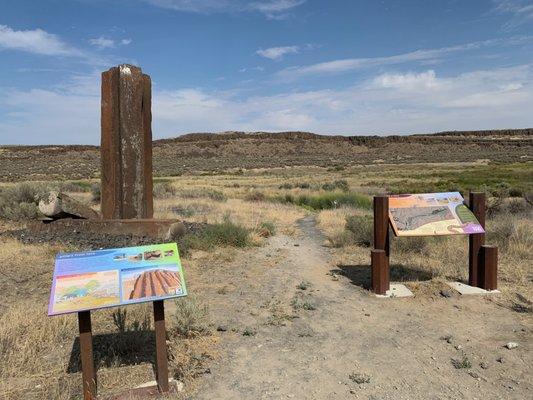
x=482, y=260
x=88, y=369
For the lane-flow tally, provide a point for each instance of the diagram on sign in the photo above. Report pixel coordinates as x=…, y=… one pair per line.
x=140, y=283
x=430, y=214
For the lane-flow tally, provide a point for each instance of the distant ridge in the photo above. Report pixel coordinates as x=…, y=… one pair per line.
x=232, y=135
x=218, y=152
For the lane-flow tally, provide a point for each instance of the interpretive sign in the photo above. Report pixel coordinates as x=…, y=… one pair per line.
x=430, y=214
x=114, y=277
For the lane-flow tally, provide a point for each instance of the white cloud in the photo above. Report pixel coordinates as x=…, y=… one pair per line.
x=409, y=81
x=520, y=12
x=351, y=64
x=35, y=41
x=277, y=53
x=385, y=104
x=103, y=42
x=273, y=9
x=67, y=114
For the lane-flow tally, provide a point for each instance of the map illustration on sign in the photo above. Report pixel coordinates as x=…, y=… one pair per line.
x=430, y=214
x=106, y=278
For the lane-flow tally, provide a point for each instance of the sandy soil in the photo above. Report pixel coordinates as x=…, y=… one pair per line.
x=274, y=345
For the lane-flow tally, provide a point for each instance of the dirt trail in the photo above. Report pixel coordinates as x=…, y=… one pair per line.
x=272, y=350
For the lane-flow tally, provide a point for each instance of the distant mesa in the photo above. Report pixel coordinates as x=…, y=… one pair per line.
x=155, y=283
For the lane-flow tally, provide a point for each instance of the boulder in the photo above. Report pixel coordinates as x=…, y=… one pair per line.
x=59, y=205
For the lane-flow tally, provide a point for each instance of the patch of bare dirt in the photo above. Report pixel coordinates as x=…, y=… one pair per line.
x=291, y=329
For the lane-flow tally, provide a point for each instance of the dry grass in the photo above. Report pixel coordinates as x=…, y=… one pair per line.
x=248, y=214
x=40, y=354
x=35, y=349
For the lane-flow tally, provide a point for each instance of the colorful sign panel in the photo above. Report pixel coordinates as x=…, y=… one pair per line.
x=431, y=214
x=115, y=277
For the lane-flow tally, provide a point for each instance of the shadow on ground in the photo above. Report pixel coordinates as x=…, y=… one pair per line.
x=116, y=349
x=360, y=275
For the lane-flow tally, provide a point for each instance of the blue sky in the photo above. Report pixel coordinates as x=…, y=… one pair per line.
x=331, y=67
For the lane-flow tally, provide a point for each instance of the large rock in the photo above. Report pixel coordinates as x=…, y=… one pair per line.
x=59, y=205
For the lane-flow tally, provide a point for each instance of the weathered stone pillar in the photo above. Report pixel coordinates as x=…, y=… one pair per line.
x=126, y=144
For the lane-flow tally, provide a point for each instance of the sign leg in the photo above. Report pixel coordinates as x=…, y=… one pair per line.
x=161, y=361
x=380, y=280
x=476, y=240
x=381, y=239
x=489, y=267
x=86, y=352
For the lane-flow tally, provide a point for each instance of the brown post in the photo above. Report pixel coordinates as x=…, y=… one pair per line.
x=380, y=283
x=126, y=144
x=489, y=267
x=381, y=235
x=476, y=240
x=161, y=362
x=88, y=372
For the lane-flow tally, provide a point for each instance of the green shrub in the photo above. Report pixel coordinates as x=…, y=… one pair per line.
x=341, y=239
x=463, y=363
x=334, y=200
x=20, y=202
x=266, y=229
x=190, y=317
x=510, y=230
x=326, y=201
x=203, y=193
x=288, y=198
x=339, y=184
x=361, y=228
x=75, y=186
x=96, y=193
x=164, y=190
x=255, y=196
x=216, y=195
x=224, y=234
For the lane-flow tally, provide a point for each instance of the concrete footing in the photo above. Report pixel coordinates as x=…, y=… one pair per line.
x=396, y=290
x=467, y=289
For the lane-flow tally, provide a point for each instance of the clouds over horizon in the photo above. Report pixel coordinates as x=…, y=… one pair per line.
x=216, y=87
x=410, y=102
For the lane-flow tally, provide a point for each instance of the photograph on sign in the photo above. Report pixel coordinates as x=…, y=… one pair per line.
x=106, y=278
x=431, y=214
